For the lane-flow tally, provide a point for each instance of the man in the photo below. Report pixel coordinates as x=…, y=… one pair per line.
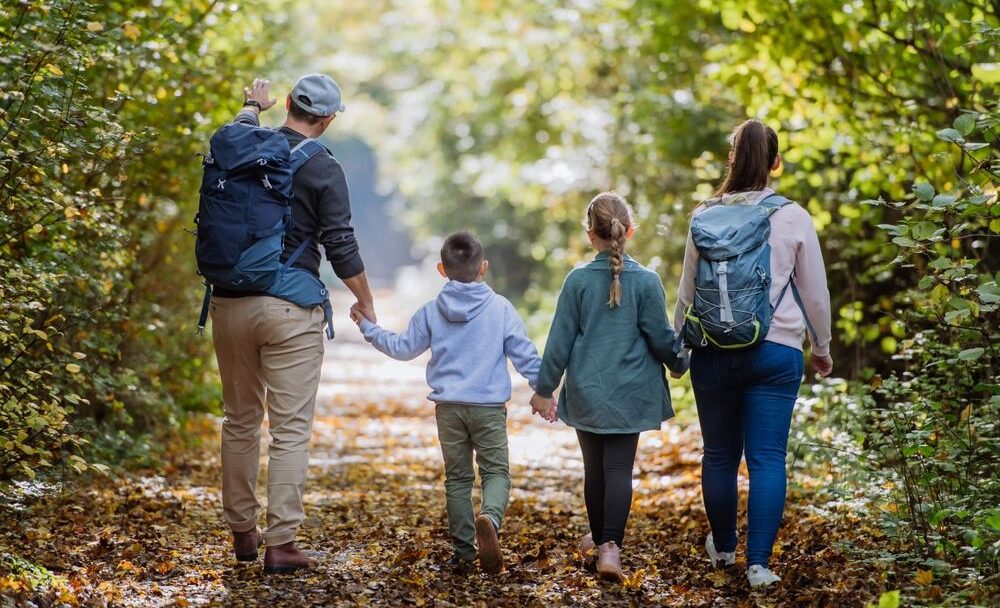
x=272, y=350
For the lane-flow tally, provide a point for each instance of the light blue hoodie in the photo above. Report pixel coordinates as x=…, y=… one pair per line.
x=471, y=331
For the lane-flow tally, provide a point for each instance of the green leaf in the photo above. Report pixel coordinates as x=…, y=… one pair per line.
x=923, y=230
x=902, y=241
x=889, y=599
x=924, y=191
x=940, y=264
x=986, y=72
x=958, y=303
x=965, y=124
x=942, y=200
x=950, y=135
x=989, y=293
x=972, y=146
x=971, y=354
x=995, y=225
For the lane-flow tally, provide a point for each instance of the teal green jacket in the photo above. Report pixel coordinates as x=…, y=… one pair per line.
x=613, y=358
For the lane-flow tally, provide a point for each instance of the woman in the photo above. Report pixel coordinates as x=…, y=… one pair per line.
x=745, y=397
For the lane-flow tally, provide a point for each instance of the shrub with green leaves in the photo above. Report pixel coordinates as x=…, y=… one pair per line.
x=933, y=423
x=103, y=106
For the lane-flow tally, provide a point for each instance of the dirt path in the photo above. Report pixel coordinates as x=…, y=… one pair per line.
x=376, y=518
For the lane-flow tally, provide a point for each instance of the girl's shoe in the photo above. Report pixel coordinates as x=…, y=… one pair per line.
x=609, y=563
x=586, y=545
x=759, y=576
x=718, y=558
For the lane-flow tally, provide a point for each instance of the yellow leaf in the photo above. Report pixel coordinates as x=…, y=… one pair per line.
x=93, y=26
x=79, y=355
x=924, y=577
x=73, y=368
x=54, y=69
x=65, y=168
x=131, y=30
x=71, y=212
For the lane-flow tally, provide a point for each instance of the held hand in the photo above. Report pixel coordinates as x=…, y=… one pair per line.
x=823, y=365
x=553, y=415
x=366, y=310
x=356, y=317
x=258, y=92
x=541, y=406
x=676, y=376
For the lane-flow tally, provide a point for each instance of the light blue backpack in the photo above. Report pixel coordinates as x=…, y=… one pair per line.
x=732, y=301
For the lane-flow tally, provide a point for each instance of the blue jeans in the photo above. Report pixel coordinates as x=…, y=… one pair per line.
x=745, y=400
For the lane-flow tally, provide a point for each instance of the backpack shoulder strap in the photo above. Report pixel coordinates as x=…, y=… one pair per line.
x=305, y=150
x=774, y=202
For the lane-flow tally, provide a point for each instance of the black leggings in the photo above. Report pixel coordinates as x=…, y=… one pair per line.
x=607, y=482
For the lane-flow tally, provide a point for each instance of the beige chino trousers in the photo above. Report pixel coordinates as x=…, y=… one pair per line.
x=270, y=353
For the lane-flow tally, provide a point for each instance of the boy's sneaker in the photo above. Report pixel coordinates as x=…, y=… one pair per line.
x=759, y=576
x=718, y=558
x=460, y=565
x=490, y=558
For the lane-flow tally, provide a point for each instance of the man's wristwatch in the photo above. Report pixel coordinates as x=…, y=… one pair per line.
x=254, y=103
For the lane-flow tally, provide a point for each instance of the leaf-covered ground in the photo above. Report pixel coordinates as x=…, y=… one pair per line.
x=376, y=519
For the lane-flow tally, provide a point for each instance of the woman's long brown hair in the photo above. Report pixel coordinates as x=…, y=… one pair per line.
x=754, y=147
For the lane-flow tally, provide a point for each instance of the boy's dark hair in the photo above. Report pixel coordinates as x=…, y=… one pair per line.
x=462, y=255
x=299, y=114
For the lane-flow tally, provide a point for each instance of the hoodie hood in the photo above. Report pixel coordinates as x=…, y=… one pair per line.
x=461, y=302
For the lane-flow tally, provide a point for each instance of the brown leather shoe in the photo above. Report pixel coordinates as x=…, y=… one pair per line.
x=609, y=564
x=490, y=558
x=286, y=558
x=246, y=544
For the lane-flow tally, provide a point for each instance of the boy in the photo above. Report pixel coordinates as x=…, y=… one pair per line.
x=471, y=332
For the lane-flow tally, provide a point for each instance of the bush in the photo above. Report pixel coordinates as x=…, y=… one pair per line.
x=934, y=423
x=102, y=108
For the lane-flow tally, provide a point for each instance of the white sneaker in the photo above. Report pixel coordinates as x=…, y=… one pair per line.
x=759, y=576
x=718, y=558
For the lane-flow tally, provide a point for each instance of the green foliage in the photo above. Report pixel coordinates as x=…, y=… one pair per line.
x=933, y=422
x=102, y=108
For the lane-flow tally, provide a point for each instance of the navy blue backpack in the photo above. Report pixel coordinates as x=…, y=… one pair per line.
x=243, y=216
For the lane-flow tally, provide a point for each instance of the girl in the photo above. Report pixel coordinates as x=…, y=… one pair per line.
x=611, y=337
x=745, y=397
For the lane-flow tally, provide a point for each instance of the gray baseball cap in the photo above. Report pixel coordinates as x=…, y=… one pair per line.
x=318, y=95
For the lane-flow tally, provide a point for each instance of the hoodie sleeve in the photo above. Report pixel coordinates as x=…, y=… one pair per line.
x=562, y=336
x=405, y=346
x=518, y=348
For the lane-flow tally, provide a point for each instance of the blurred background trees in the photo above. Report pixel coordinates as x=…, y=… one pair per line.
x=506, y=117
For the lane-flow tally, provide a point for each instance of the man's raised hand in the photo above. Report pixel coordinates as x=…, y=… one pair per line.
x=258, y=91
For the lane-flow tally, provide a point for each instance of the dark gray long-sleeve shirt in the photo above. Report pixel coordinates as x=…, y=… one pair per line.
x=321, y=209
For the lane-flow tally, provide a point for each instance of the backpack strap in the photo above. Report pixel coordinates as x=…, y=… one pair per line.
x=305, y=150
x=203, y=318
x=798, y=300
x=773, y=202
